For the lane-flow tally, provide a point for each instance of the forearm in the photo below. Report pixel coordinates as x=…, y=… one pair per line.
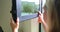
x=44, y=23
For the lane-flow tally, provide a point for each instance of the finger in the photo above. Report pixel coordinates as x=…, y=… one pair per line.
x=39, y=12
x=12, y=21
x=17, y=20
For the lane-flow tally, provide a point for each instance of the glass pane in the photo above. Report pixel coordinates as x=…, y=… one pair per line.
x=29, y=7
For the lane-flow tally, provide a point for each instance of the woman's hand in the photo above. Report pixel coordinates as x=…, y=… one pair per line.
x=42, y=21
x=14, y=26
x=40, y=17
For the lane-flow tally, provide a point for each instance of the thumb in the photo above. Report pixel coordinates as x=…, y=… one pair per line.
x=17, y=20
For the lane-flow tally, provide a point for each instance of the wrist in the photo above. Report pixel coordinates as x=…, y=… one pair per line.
x=45, y=24
x=14, y=30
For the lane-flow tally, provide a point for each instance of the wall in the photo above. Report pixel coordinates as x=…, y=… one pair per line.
x=26, y=26
x=5, y=7
x=29, y=26
x=34, y=25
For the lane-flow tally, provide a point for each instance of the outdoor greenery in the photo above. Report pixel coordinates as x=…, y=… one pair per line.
x=29, y=7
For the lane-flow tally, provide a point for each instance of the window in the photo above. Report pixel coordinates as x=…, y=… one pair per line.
x=27, y=9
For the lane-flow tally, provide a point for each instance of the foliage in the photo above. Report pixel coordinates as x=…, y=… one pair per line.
x=29, y=7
